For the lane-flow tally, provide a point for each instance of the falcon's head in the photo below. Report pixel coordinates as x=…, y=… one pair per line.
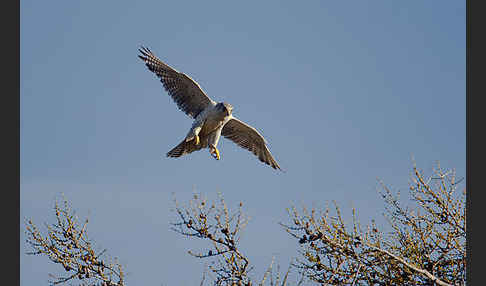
x=225, y=107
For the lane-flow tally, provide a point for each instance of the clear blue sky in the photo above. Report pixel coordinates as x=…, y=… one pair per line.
x=345, y=92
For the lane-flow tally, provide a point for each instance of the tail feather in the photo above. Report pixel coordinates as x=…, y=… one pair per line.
x=187, y=147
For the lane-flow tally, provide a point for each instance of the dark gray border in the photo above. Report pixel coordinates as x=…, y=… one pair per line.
x=474, y=144
x=11, y=118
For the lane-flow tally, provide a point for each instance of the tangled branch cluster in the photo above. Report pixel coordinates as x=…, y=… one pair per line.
x=222, y=229
x=426, y=244
x=66, y=243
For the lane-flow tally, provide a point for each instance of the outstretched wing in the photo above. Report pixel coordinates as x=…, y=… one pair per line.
x=247, y=137
x=187, y=93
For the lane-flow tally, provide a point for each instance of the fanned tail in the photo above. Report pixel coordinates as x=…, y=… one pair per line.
x=187, y=147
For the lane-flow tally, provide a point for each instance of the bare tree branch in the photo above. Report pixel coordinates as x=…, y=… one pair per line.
x=426, y=244
x=66, y=243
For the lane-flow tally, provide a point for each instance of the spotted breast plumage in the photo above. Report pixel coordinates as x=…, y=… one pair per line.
x=211, y=119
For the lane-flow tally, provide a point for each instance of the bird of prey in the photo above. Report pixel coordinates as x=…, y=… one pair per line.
x=211, y=119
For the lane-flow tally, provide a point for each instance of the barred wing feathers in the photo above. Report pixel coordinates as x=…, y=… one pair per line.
x=187, y=93
x=248, y=138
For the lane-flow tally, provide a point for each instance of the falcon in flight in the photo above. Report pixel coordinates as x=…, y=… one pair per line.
x=211, y=119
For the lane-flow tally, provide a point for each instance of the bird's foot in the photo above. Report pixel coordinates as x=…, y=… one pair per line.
x=196, y=138
x=215, y=153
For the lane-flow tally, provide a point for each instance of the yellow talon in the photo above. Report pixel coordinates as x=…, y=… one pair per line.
x=215, y=151
x=197, y=139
